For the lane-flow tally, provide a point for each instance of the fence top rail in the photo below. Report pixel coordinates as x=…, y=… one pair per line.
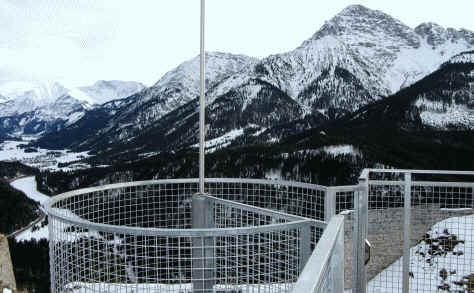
x=343, y=188
x=65, y=195
x=55, y=212
x=207, y=232
x=422, y=183
x=366, y=172
x=267, y=212
x=310, y=279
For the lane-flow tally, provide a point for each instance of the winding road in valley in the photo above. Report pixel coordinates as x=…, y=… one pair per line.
x=27, y=184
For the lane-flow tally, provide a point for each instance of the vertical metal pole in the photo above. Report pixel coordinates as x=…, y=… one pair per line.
x=202, y=103
x=52, y=255
x=203, y=254
x=329, y=204
x=406, y=233
x=338, y=263
x=359, y=278
x=305, y=245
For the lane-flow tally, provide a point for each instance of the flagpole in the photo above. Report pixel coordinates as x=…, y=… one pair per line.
x=202, y=104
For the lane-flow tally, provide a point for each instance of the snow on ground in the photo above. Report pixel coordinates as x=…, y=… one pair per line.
x=80, y=287
x=335, y=150
x=28, y=186
x=442, y=115
x=221, y=141
x=38, y=233
x=273, y=174
x=41, y=158
x=442, y=260
x=40, y=230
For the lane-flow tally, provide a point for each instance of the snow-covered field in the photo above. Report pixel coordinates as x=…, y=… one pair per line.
x=222, y=141
x=40, y=230
x=439, y=263
x=335, y=150
x=41, y=158
x=28, y=186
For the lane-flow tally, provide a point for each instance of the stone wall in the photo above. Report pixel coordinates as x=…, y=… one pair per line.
x=7, y=278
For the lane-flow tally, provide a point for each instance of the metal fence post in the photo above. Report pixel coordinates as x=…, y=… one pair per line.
x=305, y=245
x=359, y=278
x=406, y=233
x=329, y=204
x=338, y=263
x=203, y=254
x=52, y=254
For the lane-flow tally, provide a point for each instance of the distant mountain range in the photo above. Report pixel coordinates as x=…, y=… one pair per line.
x=42, y=107
x=359, y=57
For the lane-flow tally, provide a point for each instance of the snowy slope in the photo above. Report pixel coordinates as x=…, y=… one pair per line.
x=447, y=269
x=453, y=107
x=181, y=85
x=104, y=91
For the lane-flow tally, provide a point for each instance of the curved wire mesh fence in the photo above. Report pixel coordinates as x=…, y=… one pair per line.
x=149, y=236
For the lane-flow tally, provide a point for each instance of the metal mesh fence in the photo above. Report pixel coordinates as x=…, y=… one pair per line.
x=440, y=226
x=139, y=237
x=305, y=200
x=324, y=271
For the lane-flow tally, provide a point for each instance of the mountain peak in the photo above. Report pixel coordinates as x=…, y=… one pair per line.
x=355, y=9
x=357, y=24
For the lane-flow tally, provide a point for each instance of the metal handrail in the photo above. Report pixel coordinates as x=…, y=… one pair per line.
x=312, y=277
x=293, y=221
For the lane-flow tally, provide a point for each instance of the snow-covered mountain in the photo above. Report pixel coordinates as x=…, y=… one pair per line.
x=397, y=54
x=51, y=117
x=38, y=107
x=358, y=57
x=22, y=96
x=441, y=101
x=104, y=91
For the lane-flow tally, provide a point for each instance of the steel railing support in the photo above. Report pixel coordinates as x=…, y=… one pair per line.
x=329, y=204
x=359, y=278
x=337, y=263
x=406, y=232
x=203, y=254
x=305, y=245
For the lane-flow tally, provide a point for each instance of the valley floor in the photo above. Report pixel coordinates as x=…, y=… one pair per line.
x=43, y=159
x=38, y=230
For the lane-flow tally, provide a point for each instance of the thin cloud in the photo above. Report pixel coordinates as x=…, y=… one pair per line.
x=78, y=42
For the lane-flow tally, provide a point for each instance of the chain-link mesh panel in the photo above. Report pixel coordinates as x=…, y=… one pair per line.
x=138, y=238
x=441, y=240
x=304, y=200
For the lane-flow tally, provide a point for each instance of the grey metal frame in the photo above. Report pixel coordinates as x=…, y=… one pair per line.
x=361, y=204
x=307, y=208
x=277, y=227
x=324, y=271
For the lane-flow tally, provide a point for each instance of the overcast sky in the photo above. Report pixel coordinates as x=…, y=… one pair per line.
x=78, y=42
